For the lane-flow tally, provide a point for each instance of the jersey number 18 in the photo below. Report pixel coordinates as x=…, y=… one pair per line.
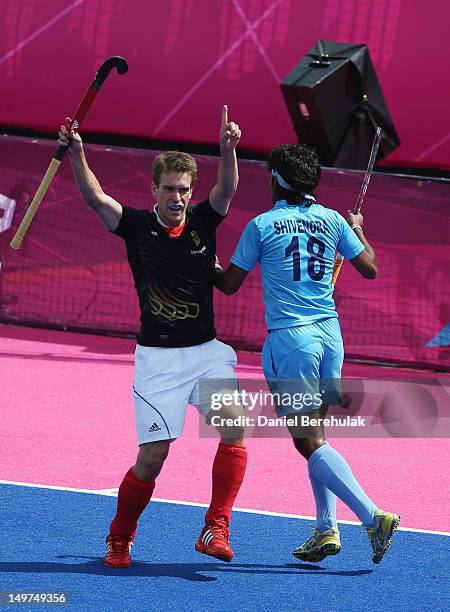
x=316, y=257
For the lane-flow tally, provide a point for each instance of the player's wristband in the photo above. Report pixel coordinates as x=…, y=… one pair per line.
x=356, y=226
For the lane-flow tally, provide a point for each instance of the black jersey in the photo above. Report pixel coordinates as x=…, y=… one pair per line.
x=173, y=276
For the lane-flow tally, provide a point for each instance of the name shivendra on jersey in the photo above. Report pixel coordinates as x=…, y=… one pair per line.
x=300, y=226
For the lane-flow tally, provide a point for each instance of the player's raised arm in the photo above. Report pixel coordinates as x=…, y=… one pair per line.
x=106, y=207
x=366, y=261
x=227, y=175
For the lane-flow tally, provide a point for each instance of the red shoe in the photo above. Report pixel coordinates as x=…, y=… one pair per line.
x=118, y=550
x=213, y=541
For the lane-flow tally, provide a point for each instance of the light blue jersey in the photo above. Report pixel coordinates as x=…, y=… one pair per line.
x=296, y=247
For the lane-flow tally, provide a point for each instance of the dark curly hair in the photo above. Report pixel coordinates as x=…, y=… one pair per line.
x=298, y=165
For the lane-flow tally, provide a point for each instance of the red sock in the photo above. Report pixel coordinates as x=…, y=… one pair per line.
x=227, y=476
x=134, y=495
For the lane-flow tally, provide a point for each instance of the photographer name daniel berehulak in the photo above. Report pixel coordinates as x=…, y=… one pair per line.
x=305, y=403
x=394, y=407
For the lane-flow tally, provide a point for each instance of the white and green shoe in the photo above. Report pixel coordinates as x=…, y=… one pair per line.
x=380, y=536
x=320, y=545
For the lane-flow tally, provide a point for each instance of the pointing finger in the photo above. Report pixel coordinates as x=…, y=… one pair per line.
x=224, y=116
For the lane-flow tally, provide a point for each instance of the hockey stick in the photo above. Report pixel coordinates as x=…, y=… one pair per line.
x=112, y=62
x=362, y=194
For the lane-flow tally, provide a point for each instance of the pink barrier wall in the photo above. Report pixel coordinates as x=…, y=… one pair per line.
x=71, y=273
x=188, y=57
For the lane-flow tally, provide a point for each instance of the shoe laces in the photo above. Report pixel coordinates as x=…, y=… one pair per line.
x=119, y=544
x=220, y=529
x=312, y=540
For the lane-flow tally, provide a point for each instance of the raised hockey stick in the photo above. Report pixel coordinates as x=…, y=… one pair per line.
x=112, y=62
x=362, y=194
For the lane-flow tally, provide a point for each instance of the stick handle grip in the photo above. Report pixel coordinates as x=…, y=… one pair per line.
x=23, y=227
x=337, y=267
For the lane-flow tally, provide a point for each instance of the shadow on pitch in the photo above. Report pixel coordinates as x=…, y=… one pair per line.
x=187, y=571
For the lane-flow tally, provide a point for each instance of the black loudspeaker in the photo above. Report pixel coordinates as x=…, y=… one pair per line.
x=336, y=103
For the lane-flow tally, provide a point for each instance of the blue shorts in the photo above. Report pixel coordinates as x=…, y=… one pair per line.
x=306, y=359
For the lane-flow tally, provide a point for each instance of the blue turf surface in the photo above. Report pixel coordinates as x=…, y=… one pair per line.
x=54, y=540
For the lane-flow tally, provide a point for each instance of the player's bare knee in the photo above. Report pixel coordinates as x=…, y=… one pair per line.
x=306, y=446
x=150, y=459
x=238, y=441
x=302, y=446
x=229, y=421
x=232, y=435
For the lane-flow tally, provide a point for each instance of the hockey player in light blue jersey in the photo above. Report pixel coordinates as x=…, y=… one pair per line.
x=295, y=244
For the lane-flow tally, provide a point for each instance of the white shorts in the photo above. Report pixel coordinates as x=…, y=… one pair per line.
x=167, y=379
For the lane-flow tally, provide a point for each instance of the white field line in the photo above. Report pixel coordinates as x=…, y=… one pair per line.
x=113, y=493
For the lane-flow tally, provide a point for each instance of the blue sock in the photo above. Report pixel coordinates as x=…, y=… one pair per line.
x=331, y=469
x=325, y=504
